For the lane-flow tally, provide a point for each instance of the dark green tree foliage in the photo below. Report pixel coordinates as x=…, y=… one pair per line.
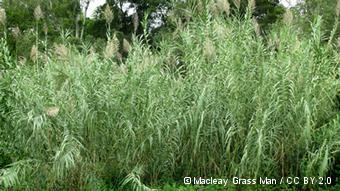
x=309, y=10
x=58, y=15
x=268, y=12
x=64, y=12
x=97, y=27
x=122, y=22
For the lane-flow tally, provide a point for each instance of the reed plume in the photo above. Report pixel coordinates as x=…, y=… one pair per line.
x=223, y=6
x=251, y=5
x=2, y=16
x=199, y=6
x=91, y=56
x=288, y=17
x=221, y=31
x=52, y=111
x=209, y=49
x=257, y=27
x=119, y=57
x=135, y=22
x=126, y=45
x=34, y=53
x=108, y=15
x=38, y=13
x=213, y=8
x=111, y=48
x=61, y=51
x=16, y=32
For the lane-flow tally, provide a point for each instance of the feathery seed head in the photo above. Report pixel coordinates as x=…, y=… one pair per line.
x=126, y=45
x=256, y=27
x=119, y=56
x=16, y=32
x=34, y=53
x=52, y=111
x=135, y=22
x=108, y=15
x=91, y=57
x=199, y=6
x=288, y=17
x=221, y=31
x=209, y=49
x=251, y=5
x=38, y=14
x=2, y=16
x=61, y=51
x=213, y=8
x=223, y=6
x=92, y=50
x=111, y=48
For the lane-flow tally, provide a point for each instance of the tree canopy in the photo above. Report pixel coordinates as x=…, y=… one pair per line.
x=67, y=15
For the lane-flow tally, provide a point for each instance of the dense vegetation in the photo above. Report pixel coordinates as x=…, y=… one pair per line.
x=216, y=97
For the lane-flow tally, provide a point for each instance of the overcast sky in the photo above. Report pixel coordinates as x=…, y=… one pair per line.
x=95, y=3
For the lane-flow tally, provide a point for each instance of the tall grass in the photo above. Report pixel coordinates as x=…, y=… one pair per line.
x=231, y=103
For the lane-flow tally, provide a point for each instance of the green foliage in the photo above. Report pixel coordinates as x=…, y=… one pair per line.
x=57, y=13
x=219, y=101
x=308, y=11
x=268, y=12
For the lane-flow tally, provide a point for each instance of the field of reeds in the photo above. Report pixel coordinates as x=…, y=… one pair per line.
x=221, y=100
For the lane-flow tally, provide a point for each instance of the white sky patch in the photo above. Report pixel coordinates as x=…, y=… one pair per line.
x=290, y=3
x=129, y=8
x=93, y=6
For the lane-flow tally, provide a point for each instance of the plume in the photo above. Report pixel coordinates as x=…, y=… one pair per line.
x=38, y=14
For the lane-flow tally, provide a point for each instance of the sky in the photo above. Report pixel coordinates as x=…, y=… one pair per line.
x=95, y=3
x=290, y=3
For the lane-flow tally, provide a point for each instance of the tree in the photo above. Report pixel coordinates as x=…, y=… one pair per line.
x=268, y=12
x=129, y=24
x=328, y=10
x=61, y=13
x=57, y=15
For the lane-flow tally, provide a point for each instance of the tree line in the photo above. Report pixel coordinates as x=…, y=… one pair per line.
x=68, y=16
